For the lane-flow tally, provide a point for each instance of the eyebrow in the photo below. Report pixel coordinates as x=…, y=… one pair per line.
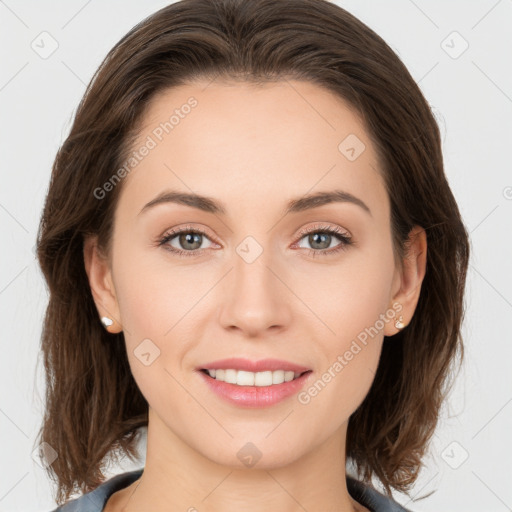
x=210, y=205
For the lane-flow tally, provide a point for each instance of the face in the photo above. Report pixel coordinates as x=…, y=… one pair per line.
x=313, y=286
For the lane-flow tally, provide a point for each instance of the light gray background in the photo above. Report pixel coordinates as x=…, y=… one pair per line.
x=471, y=95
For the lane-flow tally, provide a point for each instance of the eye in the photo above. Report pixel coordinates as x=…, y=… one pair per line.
x=188, y=241
x=188, y=238
x=321, y=238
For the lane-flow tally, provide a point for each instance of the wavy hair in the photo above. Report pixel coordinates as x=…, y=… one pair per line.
x=93, y=407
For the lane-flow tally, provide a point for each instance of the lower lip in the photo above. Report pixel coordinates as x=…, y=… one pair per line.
x=256, y=396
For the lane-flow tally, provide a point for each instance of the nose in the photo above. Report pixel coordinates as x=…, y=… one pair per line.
x=257, y=298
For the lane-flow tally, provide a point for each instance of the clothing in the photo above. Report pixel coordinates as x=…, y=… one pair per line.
x=95, y=500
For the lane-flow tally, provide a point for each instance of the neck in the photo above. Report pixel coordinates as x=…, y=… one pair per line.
x=177, y=477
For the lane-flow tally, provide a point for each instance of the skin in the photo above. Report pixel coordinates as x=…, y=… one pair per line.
x=254, y=148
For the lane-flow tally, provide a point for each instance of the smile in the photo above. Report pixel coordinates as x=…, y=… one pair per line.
x=245, y=378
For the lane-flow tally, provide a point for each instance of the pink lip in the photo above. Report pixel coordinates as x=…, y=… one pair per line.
x=255, y=396
x=239, y=363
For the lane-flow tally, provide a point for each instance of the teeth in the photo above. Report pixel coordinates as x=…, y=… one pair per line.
x=243, y=378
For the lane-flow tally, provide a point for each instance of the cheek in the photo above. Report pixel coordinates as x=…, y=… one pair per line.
x=351, y=296
x=152, y=302
x=161, y=311
x=349, y=349
x=154, y=294
x=351, y=301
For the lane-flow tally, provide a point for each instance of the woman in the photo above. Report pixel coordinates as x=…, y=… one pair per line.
x=235, y=242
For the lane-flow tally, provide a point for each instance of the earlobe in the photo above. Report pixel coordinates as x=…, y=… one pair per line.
x=101, y=285
x=411, y=279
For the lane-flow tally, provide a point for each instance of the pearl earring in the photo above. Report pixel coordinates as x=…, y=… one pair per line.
x=106, y=321
x=399, y=324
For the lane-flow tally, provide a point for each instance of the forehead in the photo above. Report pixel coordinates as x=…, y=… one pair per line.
x=285, y=138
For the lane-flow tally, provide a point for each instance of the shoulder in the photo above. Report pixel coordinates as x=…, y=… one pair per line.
x=372, y=499
x=95, y=500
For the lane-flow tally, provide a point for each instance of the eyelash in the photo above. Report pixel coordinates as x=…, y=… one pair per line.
x=345, y=240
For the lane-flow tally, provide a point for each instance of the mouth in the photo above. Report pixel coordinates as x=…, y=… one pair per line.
x=246, y=378
x=264, y=388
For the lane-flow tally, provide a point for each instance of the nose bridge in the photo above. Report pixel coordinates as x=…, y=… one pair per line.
x=251, y=266
x=255, y=295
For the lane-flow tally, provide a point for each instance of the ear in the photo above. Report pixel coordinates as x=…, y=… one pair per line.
x=408, y=280
x=102, y=286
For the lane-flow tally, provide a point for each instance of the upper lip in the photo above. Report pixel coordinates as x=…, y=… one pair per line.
x=240, y=363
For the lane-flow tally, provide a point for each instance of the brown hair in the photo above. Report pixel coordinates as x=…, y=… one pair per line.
x=93, y=405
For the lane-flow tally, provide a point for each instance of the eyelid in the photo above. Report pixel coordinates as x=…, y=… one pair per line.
x=324, y=227
x=344, y=237
x=164, y=239
x=185, y=229
x=300, y=234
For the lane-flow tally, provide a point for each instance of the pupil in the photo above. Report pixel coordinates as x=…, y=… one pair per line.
x=189, y=238
x=314, y=237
